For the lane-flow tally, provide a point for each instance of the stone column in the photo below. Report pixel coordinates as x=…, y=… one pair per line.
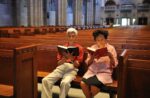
x=42, y=14
x=35, y=12
x=14, y=12
x=45, y=10
x=39, y=13
x=17, y=12
x=90, y=12
x=30, y=12
x=21, y=14
x=78, y=12
x=62, y=6
x=51, y=12
x=85, y=14
x=35, y=16
x=98, y=12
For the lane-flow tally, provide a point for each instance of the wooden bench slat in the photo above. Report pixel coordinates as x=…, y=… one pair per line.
x=42, y=73
x=114, y=84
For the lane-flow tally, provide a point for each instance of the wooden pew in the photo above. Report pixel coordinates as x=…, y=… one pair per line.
x=18, y=72
x=133, y=69
x=118, y=71
x=84, y=37
x=130, y=33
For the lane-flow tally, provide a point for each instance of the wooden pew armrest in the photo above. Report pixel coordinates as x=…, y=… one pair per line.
x=6, y=90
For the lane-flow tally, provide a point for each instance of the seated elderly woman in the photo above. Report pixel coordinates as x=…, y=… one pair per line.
x=67, y=68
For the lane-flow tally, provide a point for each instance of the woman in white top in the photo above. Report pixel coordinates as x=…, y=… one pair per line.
x=100, y=68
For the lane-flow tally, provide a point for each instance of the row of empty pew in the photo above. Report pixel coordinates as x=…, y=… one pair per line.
x=15, y=32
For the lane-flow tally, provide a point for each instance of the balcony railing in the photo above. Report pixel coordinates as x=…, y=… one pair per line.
x=126, y=7
x=143, y=7
x=111, y=8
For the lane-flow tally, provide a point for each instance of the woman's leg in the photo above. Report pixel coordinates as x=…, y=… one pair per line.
x=49, y=80
x=94, y=87
x=47, y=84
x=86, y=89
x=94, y=90
x=65, y=83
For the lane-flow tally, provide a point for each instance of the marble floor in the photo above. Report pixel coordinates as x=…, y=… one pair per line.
x=73, y=93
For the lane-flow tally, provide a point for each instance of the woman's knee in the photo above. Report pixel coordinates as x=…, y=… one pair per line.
x=65, y=83
x=83, y=84
x=44, y=80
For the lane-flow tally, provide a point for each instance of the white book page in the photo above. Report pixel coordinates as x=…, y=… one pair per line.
x=62, y=46
x=92, y=49
x=71, y=47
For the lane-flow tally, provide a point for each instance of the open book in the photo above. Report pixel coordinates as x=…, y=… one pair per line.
x=70, y=49
x=98, y=52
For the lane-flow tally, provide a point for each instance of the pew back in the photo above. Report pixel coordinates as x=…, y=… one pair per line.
x=18, y=69
x=130, y=65
x=137, y=80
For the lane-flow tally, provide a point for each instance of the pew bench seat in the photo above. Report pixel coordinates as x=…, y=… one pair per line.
x=76, y=82
x=113, y=85
x=6, y=91
x=76, y=87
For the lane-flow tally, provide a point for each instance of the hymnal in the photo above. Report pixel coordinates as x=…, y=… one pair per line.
x=70, y=49
x=98, y=52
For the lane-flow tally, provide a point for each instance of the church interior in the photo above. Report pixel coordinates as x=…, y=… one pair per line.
x=30, y=31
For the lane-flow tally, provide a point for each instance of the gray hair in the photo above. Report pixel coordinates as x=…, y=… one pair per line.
x=72, y=30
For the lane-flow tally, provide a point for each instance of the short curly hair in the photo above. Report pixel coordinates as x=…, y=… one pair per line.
x=96, y=33
x=72, y=30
